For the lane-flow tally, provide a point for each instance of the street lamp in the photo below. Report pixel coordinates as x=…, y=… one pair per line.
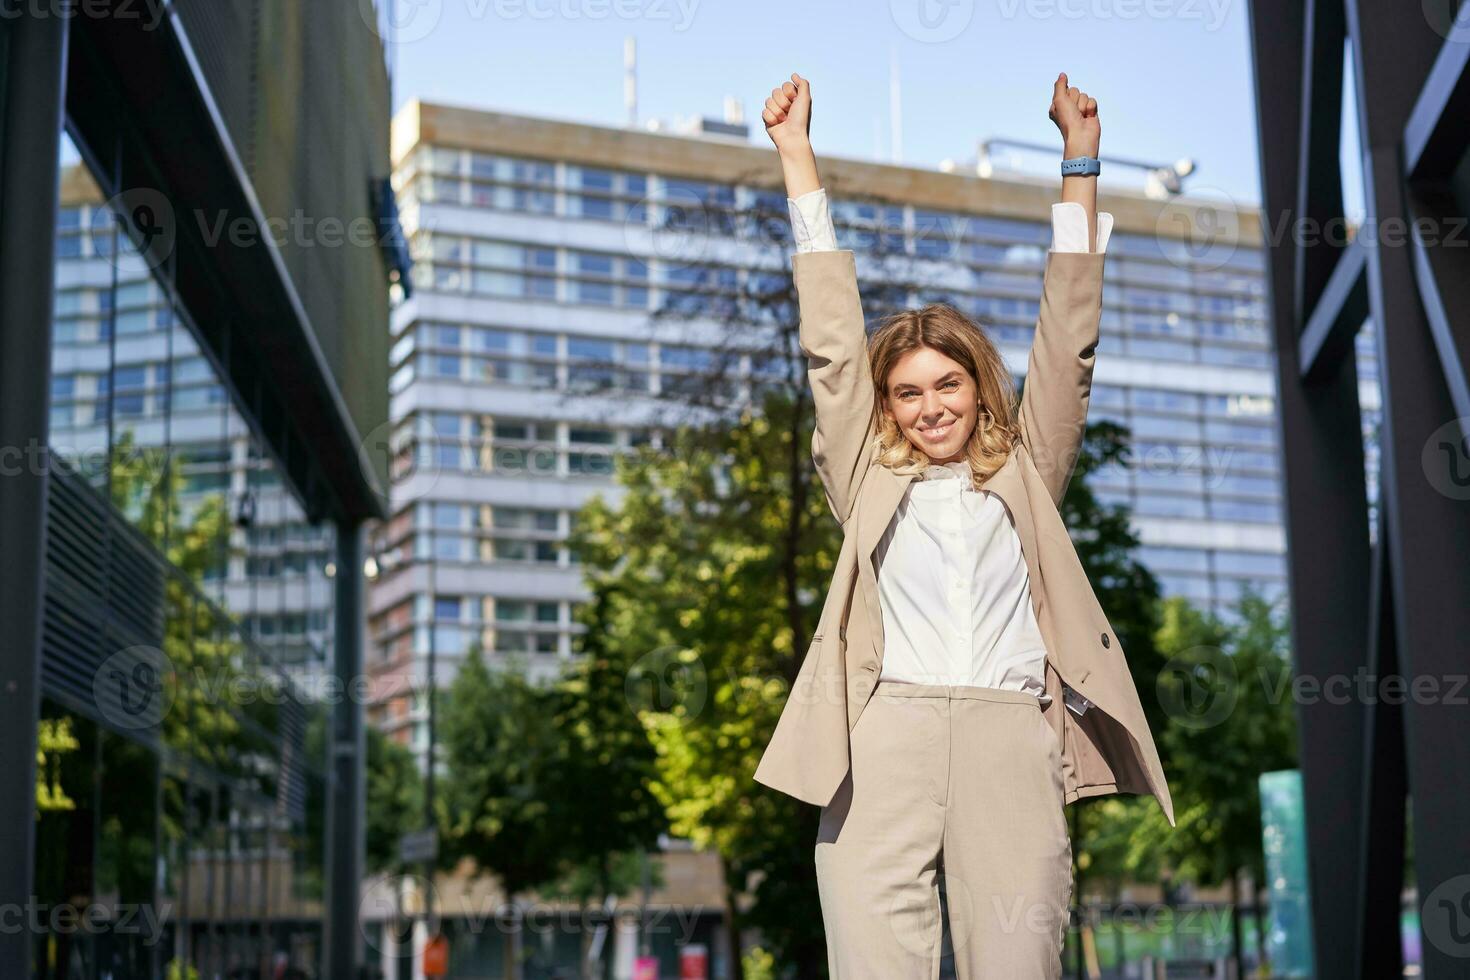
x=380, y=563
x=1162, y=181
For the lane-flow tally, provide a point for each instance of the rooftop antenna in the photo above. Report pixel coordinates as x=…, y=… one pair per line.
x=630, y=79
x=895, y=107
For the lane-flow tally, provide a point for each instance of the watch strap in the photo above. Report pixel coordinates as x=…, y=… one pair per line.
x=1084, y=166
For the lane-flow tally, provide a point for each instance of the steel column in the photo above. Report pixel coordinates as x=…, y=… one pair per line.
x=32, y=73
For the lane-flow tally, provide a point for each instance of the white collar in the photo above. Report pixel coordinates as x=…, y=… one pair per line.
x=957, y=470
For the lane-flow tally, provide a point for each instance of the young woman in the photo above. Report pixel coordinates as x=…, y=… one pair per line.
x=927, y=720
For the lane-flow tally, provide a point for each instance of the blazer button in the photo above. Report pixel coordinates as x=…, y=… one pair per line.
x=1105, y=640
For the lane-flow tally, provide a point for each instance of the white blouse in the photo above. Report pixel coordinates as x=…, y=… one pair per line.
x=952, y=581
x=954, y=590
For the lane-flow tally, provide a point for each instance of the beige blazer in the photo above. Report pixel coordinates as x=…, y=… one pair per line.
x=1109, y=748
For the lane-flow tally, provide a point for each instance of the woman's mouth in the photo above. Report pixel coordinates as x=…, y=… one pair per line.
x=937, y=433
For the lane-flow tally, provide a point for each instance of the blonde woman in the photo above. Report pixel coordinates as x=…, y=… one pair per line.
x=963, y=684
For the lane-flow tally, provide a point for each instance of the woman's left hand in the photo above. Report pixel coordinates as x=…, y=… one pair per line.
x=1075, y=114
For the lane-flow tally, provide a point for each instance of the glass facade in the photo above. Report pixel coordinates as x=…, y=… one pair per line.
x=181, y=775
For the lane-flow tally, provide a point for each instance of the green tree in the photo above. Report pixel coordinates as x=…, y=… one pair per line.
x=1227, y=720
x=1107, y=546
x=395, y=798
x=709, y=571
x=1231, y=720
x=1106, y=853
x=499, y=743
x=394, y=792
x=599, y=784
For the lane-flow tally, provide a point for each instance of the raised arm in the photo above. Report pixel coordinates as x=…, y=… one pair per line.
x=831, y=334
x=1058, y=386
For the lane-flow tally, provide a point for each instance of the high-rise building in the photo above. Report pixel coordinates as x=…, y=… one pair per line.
x=530, y=352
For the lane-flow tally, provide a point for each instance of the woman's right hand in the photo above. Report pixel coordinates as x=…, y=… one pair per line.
x=788, y=119
x=788, y=114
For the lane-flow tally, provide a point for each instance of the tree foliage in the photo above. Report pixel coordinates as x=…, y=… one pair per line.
x=710, y=570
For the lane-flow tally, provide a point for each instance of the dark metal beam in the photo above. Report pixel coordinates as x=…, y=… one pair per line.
x=1427, y=526
x=1435, y=134
x=1379, y=951
x=32, y=73
x=1319, y=178
x=1325, y=509
x=1337, y=316
x=346, y=799
x=1442, y=271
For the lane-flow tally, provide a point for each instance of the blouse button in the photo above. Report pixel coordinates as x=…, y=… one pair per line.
x=1105, y=640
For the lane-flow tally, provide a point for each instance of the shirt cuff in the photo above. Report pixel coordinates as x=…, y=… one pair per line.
x=1069, y=228
x=811, y=222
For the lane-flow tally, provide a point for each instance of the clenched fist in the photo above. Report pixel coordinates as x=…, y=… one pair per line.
x=1075, y=114
x=788, y=114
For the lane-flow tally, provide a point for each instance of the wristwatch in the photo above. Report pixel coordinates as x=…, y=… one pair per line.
x=1084, y=166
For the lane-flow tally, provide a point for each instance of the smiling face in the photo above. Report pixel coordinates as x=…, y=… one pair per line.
x=934, y=402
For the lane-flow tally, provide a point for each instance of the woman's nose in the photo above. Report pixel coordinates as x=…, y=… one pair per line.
x=933, y=406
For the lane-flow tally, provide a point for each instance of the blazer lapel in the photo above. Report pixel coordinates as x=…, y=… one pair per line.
x=1007, y=484
x=880, y=501
x=875, y=511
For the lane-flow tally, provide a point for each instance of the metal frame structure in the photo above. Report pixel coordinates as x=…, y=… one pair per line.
x=140, y=110
x=33, y=50
x=1399, y=605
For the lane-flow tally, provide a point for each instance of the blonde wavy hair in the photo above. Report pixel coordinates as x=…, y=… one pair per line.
x=950, y=332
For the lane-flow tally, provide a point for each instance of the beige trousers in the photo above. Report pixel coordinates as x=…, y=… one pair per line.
x=955, y=784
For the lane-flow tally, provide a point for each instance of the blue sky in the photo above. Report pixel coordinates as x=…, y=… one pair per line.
x=1172, y=77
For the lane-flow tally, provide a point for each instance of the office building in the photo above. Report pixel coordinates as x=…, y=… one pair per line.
x=185, y=400
x=531, y=352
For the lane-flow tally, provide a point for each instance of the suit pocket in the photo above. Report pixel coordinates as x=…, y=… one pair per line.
x=1050, y=737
